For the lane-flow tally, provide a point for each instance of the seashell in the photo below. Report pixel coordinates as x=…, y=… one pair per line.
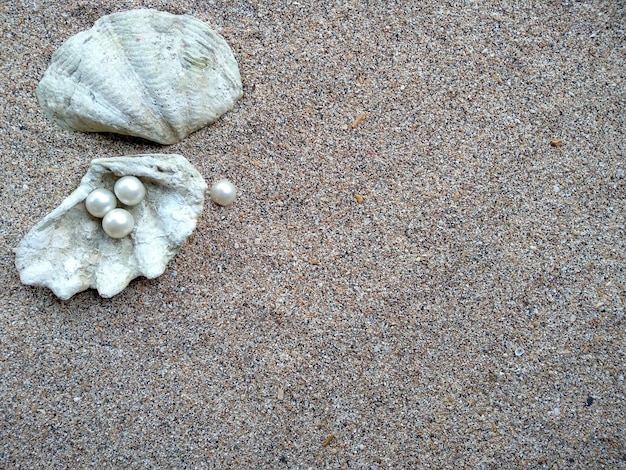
x=68, y=251
x=143, y=73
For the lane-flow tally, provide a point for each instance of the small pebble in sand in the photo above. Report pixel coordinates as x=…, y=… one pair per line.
x=358, y=120
x=358, y=198
x=519, y=351
x=556, y=142
x=223, y=192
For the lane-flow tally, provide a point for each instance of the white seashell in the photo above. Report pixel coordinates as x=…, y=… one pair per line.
x=68, y=251
x=144, y=73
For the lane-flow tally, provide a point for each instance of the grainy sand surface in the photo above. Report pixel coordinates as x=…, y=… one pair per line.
x=438, y=286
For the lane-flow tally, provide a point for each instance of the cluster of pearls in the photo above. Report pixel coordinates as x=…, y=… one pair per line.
x=130, y=191
x=102, y=203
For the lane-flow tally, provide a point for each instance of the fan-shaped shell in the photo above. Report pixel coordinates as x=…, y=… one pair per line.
x=144, y=73
x=68, y=251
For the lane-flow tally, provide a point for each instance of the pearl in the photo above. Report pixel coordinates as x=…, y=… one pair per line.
x=118, y=223
x=223, y=192
x=99, y=202
x=129, y=190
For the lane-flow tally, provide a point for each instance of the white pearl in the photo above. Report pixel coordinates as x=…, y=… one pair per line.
x=223, y=192
x=99, y=202
x=118, y=223
x=129, y=190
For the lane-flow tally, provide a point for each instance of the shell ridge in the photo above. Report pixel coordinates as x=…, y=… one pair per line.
x=128, y=58
x=151, y=101
x=117, y=115
x=151, y=87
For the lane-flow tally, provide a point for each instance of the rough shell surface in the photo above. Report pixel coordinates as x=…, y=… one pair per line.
x=68, y=251
x=144, y=73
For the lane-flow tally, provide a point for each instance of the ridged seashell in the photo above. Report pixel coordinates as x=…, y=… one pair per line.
x=144, y=73
x=68, y=251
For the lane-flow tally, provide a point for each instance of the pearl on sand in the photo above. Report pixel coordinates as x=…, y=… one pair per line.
x=118, y=223
x=223, y=192
x=129, y=190
x=99, y=202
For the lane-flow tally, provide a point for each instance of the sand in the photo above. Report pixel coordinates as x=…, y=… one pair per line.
x=440, y=284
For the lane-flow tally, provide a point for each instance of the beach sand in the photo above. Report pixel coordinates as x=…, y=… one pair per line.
x=425, y=265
